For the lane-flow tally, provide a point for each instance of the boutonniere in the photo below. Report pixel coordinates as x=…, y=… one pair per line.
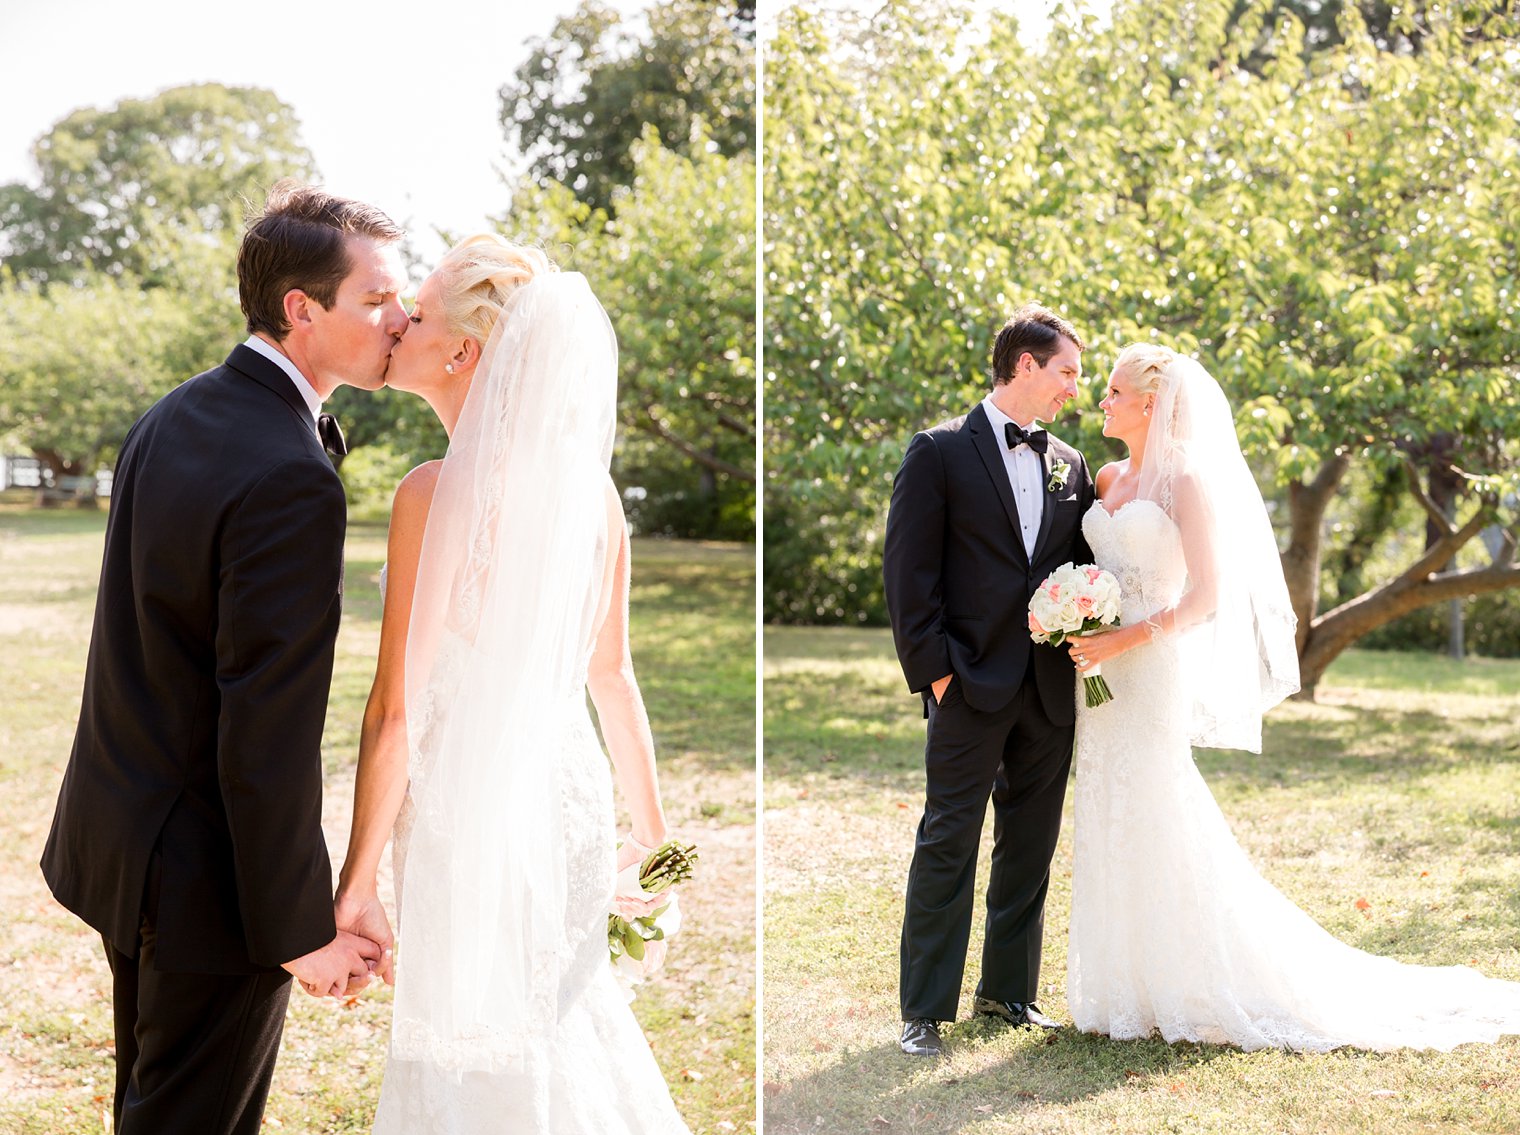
x=1058, y=474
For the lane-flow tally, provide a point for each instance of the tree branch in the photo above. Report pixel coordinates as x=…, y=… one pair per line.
x=1433, y=510
x=701, y=457
x=1507, y=544
x=742, y=428
x=1439, y=554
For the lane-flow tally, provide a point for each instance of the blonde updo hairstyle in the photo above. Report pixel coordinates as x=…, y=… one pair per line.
x=479, y=275
x=1142, y=365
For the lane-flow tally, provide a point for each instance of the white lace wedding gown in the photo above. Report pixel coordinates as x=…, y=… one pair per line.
x=1172, y=928
x=598, y=1075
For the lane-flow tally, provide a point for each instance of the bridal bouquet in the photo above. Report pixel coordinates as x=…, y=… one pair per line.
x=1076, y=599
x=645, y=912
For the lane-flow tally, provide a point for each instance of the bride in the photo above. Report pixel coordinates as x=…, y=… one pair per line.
x=1172, y=928
x=506, y=599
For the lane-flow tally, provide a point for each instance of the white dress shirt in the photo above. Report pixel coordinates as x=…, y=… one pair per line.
x=1026, y=475
x=313, y=403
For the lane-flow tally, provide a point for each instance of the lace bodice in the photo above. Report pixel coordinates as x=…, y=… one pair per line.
x=1140, y=544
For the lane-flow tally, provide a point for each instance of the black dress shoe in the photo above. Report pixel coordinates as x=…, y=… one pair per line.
x=920, y=1037
x=1014, y=1012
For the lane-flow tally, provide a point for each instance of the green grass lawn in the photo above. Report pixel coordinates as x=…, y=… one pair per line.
x=693, y=640
x=1399, y=788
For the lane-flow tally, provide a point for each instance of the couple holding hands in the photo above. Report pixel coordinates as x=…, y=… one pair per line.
x=188, y=827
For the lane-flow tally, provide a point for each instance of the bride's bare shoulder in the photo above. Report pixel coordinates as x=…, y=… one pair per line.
x=415, y=492
x=1108, y=474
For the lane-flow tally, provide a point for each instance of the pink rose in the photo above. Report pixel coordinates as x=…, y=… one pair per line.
x=1085, y=604
x=1054, y=591
x=1034, y=624
x=1093, y=574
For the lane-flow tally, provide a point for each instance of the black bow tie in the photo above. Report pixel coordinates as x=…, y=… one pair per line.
x=1017, y=435
x=331, y=435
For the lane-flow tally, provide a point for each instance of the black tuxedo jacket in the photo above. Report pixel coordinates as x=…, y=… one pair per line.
x=198, y=746
x=958, y=580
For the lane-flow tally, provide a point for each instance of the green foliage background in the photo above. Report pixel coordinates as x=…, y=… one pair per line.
x=118, y=277
x=1329, y=226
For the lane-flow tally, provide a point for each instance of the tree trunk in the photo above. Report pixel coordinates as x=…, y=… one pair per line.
x=1417, y=587
x=1443, y=486
x=1456, y=625
x=1307, y=501
x=67, y=477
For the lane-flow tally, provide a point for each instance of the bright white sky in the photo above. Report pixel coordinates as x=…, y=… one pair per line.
x=397, y=101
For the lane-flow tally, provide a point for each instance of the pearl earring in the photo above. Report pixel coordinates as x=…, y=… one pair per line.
x=450, y=368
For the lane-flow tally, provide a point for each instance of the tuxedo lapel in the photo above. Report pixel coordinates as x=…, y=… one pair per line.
x=990, y=447
x=1056, y=452
x=1048, y=504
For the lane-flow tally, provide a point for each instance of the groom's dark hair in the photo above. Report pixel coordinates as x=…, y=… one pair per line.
x=297, y=241
x=1032, y=330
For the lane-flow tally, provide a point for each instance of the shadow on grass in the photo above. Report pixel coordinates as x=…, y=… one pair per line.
x=989, y=1071
x=1368, y=745
x=836, y=705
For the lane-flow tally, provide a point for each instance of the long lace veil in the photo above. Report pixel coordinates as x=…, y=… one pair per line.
x=508, y=585
x=1242, y=661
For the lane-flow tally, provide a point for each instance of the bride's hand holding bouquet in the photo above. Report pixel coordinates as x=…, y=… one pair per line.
x=1074, y=601
x=645, y=911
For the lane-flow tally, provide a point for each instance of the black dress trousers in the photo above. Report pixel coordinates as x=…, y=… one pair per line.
x=1020, y=760
x=195, y=1052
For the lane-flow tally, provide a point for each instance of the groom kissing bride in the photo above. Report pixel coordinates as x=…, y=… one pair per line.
x=1172, y=930
x=188, y=830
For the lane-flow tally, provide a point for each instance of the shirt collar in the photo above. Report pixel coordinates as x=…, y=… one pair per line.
x=996, y=416
x=309, y=395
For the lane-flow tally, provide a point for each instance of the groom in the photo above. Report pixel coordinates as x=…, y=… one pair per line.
x=189, y=825
x=984, y=507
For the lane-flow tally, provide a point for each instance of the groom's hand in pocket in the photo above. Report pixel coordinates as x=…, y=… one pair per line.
x=940, y=687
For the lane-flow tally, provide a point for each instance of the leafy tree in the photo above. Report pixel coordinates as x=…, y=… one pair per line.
x=118, y=276
x=1398, y=27
x=79, y=364
x=578, y=106
x=675, y=269
x=1329, y=235
x=125, y=189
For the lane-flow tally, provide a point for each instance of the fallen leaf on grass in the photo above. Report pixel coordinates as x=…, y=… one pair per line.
x=881, y=1123
x=691, y=1074
x=772, y=1088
